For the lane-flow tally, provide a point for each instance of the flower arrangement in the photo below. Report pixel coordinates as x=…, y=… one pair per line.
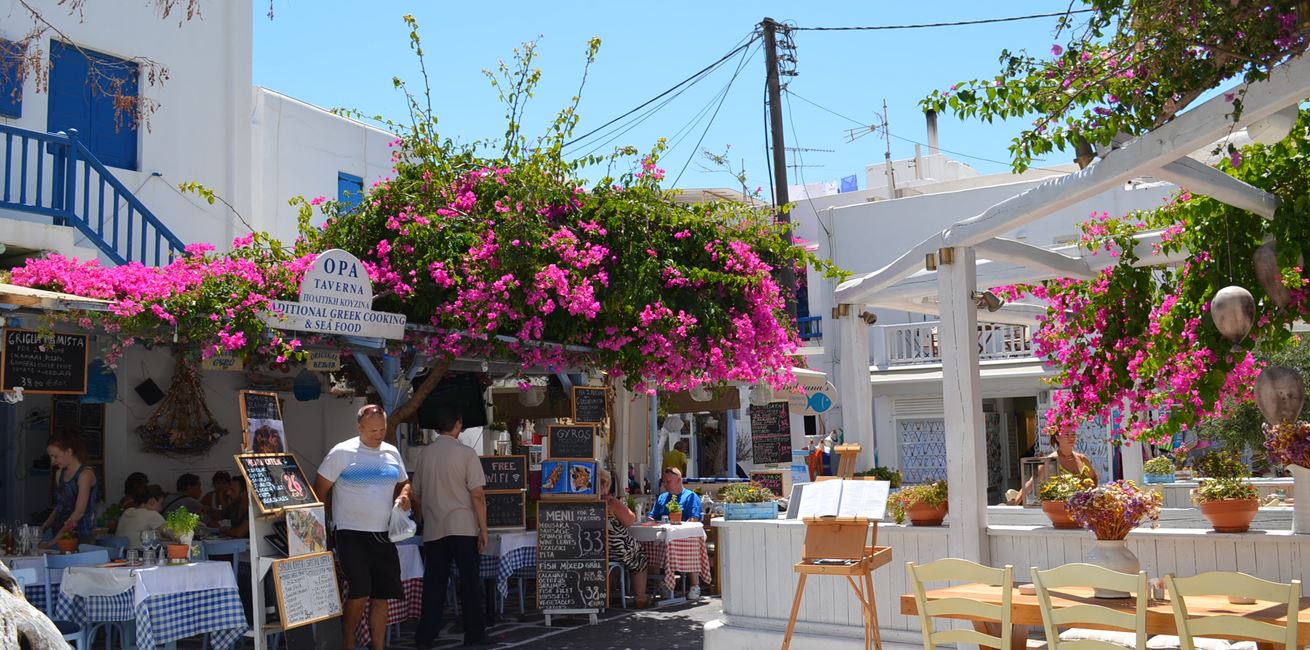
x=1224, y=489
x=1288, y=443
x=1222, y=464
x=1113, y=510
x=1159, y=465
x=888, y=474
x=1062, y=486
x=746, y=493
x=933, y=494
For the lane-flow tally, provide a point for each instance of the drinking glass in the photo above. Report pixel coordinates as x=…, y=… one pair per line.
x=133, y=555
x=149, y=557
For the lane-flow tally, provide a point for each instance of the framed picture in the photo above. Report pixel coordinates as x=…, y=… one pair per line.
x=261, y=423
x=306, y=530
x=571, y=477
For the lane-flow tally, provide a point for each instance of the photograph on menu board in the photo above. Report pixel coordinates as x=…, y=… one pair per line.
x=267, y=436
x=568, y=477
x=306, y=530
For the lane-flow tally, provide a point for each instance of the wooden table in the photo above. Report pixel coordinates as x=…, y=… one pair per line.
x=1159, y=615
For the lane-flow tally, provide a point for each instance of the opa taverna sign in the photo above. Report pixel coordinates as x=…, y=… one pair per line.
x=336, y=297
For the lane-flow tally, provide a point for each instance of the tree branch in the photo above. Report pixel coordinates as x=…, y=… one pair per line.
x=420, y=393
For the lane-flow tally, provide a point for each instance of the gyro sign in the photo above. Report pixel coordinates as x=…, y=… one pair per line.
x=336, y=297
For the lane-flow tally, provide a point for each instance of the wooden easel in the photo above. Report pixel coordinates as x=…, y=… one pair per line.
x=847, y=455
x=844, y=539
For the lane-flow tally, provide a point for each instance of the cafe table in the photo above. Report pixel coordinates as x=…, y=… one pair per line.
x=165, y=603
x=674, y=548
x=1025, y=611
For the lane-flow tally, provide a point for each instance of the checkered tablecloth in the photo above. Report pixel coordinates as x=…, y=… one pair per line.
x=35, y=595
x=684, y=555
x=165, y=618
x=398, y=610
x=524, y=557
x=488, y=567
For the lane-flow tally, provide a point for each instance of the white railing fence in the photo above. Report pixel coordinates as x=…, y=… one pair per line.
x=913, y=343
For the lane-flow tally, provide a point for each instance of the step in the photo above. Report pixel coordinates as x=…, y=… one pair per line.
x=24, y=237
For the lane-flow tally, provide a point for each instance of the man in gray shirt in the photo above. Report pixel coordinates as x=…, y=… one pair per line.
x=447, y=486
x=187, y=496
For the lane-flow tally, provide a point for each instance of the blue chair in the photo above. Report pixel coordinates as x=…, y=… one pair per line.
x=114, y=552
x=57, y=563
x=232, y=547
x=623, y=582
x=72, y=632
x=120, y=543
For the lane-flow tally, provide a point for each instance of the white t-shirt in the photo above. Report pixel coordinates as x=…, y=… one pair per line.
x=134, y=521
x=363, y=484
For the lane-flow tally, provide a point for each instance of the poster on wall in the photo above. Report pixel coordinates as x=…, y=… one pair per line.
x=261, y=423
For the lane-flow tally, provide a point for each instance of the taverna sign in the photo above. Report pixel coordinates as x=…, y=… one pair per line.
x=336, y=297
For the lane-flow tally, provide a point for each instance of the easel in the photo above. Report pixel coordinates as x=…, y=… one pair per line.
x=835, y=546
x=847, y=453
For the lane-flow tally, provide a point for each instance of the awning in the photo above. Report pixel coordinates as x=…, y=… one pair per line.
x=13, y=296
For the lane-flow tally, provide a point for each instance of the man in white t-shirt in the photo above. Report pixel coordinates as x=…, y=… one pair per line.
x=359, y=480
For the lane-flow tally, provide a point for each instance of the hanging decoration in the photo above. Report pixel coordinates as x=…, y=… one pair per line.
x=1279, y=394
x=182, y=426
x=1233, y=310
x=1269, y=274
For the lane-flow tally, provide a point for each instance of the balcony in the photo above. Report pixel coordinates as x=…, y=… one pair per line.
x=919, y=343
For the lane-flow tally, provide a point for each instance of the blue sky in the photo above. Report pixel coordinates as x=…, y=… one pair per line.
x=338, y=53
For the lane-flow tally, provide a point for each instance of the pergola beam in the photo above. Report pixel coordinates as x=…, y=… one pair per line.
x=1204, y=179
x=1035, y=257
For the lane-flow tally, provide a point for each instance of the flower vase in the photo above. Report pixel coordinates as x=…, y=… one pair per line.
x=1113, y=554
x=1300, y=500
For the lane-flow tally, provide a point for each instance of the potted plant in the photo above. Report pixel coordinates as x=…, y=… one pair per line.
x=675, y=512
x=181, y=524
x=748, y=501
x=1222, y=464
x=924, y=505
x=1288, y=444
x=1055, y=493
x=67, y=542
x=888, y=474
x=1159, y=470
x=1229, y=503
x=1111, y=511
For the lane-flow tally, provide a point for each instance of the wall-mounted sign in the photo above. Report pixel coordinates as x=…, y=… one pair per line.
x=224, y=361
x=323, y=361
x=43, y=363
x=817, y=397
x=588, y=405
x=336, y=297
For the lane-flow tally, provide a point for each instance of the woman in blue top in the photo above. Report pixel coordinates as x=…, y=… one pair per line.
x=75, y=494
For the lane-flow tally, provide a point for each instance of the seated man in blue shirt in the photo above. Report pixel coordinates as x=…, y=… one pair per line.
x=690, y=504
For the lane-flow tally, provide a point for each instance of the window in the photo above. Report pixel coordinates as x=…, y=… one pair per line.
x=11, y=80
x=83, y=88
x=350, y=191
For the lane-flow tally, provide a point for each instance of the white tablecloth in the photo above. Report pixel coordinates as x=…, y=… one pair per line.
x=668, y=532
x=411, y=561
x=503, y=543
x=147, y=581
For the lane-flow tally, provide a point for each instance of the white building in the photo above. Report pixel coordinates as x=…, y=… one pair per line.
x=863, y=231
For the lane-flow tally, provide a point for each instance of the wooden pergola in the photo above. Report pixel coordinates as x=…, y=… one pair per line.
x=943, y=272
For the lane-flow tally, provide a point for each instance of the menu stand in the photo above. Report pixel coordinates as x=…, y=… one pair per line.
x=847, y=454
x=835, y=546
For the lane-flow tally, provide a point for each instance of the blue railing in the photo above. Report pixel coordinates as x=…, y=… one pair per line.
x=809, y=327
x=54, y=174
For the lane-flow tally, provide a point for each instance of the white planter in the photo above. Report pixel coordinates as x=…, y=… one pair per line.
x=1301, y=500
x=1113, y=554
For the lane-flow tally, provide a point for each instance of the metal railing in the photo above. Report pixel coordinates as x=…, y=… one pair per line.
x=809, y=327
x=912, y=343
x=55, y=175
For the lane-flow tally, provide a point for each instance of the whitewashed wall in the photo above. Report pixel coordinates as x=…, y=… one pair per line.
x=201, y=130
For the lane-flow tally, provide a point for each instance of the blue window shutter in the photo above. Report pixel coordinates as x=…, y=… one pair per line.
x=86, y=103
x=350, y=191
x=11, y=82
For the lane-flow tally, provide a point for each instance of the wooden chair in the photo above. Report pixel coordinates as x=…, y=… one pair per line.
x=1088, y=575
x=957, y=570
x=1237, y=585
x=847, y=541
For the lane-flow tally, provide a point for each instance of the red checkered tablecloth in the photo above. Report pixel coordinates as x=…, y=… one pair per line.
x=686, y=555
x=398, y=611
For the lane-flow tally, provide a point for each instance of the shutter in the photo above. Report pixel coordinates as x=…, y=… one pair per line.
x=79, y=101
x=918, y=406
x=350, y=191
x=69, y=102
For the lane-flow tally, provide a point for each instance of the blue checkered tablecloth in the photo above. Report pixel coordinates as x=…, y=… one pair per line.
x=515, y=560
x=488, y=567
x=35, y=595
x=160, y=619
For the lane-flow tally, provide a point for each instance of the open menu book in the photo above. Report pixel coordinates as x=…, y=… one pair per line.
x=844, y=499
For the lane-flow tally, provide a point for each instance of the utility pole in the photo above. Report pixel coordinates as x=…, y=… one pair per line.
x=780, y=197
x=887, y=137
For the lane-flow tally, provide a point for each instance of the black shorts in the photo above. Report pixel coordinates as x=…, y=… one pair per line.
x=370, y=564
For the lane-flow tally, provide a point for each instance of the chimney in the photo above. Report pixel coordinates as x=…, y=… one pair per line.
x=931, y=117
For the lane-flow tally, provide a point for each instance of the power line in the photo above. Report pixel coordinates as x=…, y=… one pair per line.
x=744, y=59
x=693, y=78
x=961, y=23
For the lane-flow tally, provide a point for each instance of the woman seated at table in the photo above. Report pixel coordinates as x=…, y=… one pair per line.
x=218, y=498
x=1067, y=460
x=133, y=487
x=622, y=547
x=143, y=517
x=75, y=490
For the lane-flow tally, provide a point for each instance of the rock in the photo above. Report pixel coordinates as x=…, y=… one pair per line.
x=21, y=624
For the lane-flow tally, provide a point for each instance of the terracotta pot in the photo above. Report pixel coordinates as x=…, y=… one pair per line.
x=1233, y=311
x=675, y=517
x=1058, y=513
x=923, y=514
x=1279, y=393
x=67, y=545
x=179, y=552
x=1230, y=516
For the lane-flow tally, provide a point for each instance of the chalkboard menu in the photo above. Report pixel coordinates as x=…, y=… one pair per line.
x=505, y=472
x=505, y=509
x=275, y=481
x=770, y=433
x=571, y=441
x=571, y=540
x=770, y=480
x=588, y=405
x=261, y=423
x=43, y=363
x=306, y=589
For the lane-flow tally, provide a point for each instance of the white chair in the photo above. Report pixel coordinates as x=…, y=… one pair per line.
x=72, y=632
x=1237, y=585
x=623, y=582
x=957, y=570
x=1088, y=575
